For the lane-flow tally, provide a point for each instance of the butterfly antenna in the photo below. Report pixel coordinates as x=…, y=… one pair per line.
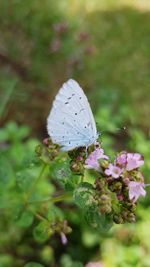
x=124, y=128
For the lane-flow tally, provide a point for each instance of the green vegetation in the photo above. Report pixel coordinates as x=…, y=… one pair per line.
x=104, y=45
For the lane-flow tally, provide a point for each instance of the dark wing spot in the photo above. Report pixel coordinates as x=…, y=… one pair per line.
x=85, y=127
x=63, y=123
x=63, y=136
x=76, y=113
x=80, y=97
x=69, y=98
x=73, y=94
x=66, y=103
x=69, y=142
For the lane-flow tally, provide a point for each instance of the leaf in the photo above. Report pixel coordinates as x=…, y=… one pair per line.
x=33, y=264
x=60, y=170
x=84, y=198
x=24, y=180
x=42, y=232
x=55, y=213
x=6, y=173
x=83, y=195
x=16, y=133
x=25, y=219
x=100, y=222
x=20, y=216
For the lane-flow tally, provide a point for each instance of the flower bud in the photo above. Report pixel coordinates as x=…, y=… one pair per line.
x=79, y=158
x=120, y=197
x=126, y=180
x=133, y=207
x=105, y=209
x=77, y=167
x=105, y=203
x=99, y=184
x=53, y=154
x=104, y=197
x=46, y=141
x=131, y=218
x=38, y=150
x=118, y=219
x=118, y=186
x=104, y=164
x=63, y=239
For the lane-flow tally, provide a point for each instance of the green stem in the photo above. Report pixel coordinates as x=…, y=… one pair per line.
x=41, y=217
x=82, y=178
x=53, y=199
x=36, y=182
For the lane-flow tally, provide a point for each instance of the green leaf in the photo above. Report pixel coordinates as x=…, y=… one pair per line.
x=24, y=179
x=6, y=173
x=42, y=232
x=55, y=213
x=84, y=198
x=60, y=170
x=83, y=195
x=16, y=133
x=26, y=219
x=20, y=216
x=100, y=222
x=33, y=264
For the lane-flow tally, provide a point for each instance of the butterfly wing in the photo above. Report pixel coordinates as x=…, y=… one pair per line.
x=70, y=123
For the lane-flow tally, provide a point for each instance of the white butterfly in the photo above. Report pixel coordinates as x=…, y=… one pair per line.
x=70, y=123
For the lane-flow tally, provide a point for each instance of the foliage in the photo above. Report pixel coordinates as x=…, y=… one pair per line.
x=104, y=45
x=32, y=194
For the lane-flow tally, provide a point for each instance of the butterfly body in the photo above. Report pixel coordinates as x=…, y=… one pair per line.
x=70, y=123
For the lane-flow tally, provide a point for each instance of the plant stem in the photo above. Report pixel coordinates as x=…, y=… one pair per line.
x=53, y=199
x=41, y=217
x=36, y=182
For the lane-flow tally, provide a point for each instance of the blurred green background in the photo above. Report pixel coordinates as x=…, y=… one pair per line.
x=105, y=46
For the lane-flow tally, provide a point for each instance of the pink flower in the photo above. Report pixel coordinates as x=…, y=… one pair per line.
x=121, y=159
x=45, y=141
x=63, y=239
x=55, y=45
x=113, y=171
x=134, y=160
x=136, y=189
x=92, y=160
x=94, y=264
x=120, y=197
x=60, y=27
x=82, y=36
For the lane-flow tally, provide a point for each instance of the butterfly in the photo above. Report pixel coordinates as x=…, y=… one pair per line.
x=70, y=123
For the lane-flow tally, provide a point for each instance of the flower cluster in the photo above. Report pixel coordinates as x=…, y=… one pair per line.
x=123, y=167
x=117, y=185
x=122, y=178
